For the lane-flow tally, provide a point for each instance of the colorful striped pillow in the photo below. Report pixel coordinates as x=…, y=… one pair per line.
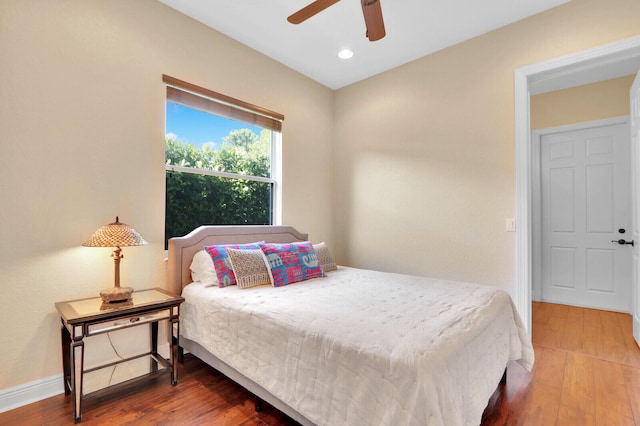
x=293, y=262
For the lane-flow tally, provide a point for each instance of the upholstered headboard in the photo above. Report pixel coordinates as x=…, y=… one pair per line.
x=182, y=249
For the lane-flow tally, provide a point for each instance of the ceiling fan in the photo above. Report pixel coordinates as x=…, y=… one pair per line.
x=370, y=8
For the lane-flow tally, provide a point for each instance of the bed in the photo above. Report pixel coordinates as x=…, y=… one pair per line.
x=354, y=347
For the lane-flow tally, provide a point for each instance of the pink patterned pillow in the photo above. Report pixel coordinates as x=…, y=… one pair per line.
x=221, y=262
x=290, y=263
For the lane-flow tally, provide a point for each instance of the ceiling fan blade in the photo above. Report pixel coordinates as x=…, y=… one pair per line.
x=309, y=10
x=373, y=19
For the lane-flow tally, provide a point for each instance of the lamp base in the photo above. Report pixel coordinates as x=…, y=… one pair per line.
x=116, y=294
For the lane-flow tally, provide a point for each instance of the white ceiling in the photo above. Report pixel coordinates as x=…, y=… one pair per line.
x=415, y=28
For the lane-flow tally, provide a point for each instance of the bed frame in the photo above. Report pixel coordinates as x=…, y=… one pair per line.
x=181, y=251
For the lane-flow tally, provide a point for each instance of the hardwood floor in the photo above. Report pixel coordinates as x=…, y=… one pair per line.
x=202, y=397
x=587, y=372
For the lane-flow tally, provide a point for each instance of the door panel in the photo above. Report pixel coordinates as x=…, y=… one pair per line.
x=585, y=188
x=563, y=267
x=600, y=202
x=561, y=199
x=600, y=270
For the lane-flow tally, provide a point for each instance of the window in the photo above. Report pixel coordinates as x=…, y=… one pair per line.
x=221, y=160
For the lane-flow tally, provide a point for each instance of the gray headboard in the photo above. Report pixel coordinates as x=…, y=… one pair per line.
x=182, y=249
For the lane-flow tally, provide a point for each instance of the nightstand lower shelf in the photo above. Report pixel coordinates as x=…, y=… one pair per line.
x=123, y=371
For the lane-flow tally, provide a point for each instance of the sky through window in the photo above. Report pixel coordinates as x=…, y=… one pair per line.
x=200, y=128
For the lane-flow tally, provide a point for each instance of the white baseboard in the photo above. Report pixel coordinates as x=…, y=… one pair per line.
x=38, y=390
x=30, y=392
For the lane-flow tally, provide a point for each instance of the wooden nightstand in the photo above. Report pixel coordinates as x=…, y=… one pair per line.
x=90, y=317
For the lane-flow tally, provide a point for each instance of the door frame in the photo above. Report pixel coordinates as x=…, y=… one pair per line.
x=536, y=190
x=559, y=68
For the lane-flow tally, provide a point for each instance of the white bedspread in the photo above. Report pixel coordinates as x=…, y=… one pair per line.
x=365, y=348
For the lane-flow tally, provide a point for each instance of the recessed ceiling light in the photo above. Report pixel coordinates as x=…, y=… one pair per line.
x=345, y=54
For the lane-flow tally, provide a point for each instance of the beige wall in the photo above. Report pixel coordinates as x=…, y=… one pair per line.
x=425, y=152
x=590, y=102
x=82, y=140
x=419, y=177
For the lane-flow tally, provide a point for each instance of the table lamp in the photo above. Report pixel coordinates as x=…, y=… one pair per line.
x=116, y=235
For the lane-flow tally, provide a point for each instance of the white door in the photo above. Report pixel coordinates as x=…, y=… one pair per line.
x=586, y=209
x=635, y=158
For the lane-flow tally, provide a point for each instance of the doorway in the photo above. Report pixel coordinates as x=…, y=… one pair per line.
x=580, y=68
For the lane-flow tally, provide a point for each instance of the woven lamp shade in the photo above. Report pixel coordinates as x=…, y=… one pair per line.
x=115, y=234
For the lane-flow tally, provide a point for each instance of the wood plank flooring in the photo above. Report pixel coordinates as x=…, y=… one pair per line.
x=587, y=372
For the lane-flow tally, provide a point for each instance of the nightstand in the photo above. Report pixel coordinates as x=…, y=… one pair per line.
x=89, y=317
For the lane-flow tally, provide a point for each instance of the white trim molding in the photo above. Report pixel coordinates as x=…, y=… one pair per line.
x=523, y=198
x=564, y=67
x=27, y=393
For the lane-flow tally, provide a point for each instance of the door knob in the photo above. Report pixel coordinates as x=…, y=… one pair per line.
x=622, y=242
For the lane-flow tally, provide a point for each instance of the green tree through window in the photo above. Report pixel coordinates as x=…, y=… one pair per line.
x=196, y=198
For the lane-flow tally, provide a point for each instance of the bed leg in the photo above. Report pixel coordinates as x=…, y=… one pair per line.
x=180, y=354
x=258, y=405
x=503, y=380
